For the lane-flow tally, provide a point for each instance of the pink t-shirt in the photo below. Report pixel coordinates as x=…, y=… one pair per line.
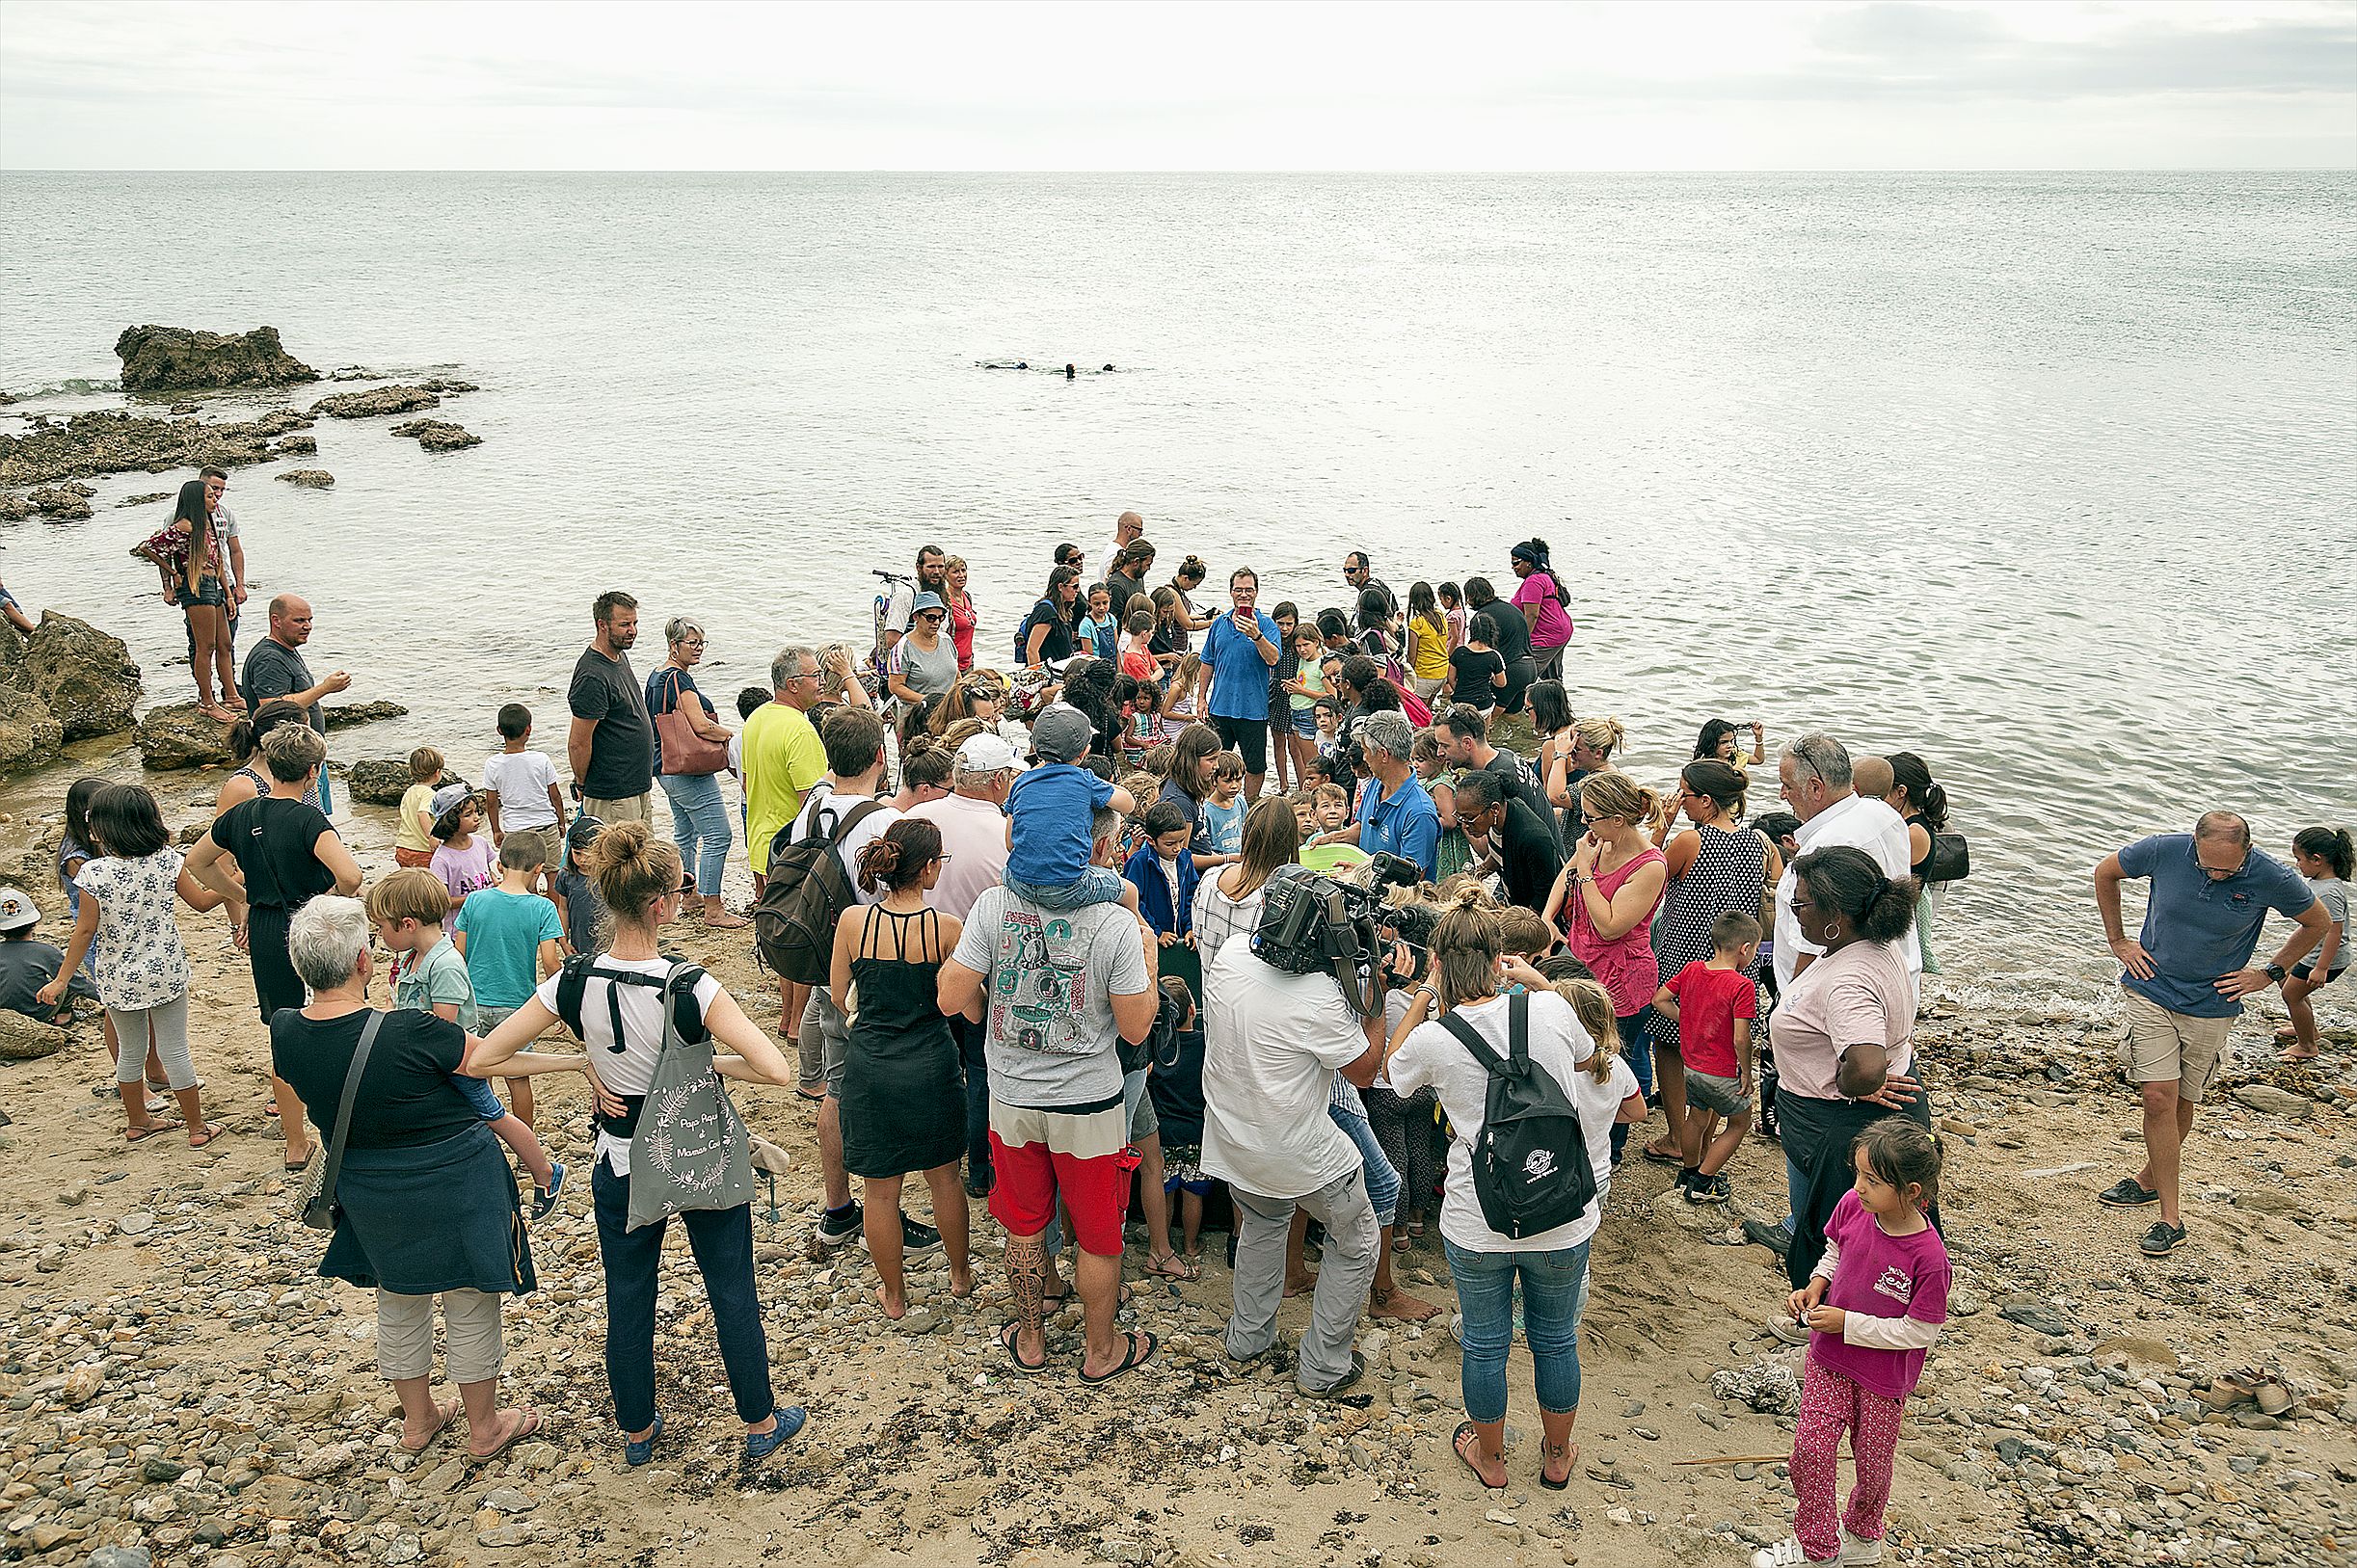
x=465, y=871
x=1550, y=626
x=1882, y=1276
x=1860, y=995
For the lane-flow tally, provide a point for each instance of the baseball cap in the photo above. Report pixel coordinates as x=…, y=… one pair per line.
x=449, y=795
x=1061, y=733
x=987, y=753
x=16, y=910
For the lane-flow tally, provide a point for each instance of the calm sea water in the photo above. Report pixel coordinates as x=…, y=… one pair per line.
x=2052, y=478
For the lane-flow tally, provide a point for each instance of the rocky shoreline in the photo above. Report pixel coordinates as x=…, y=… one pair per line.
x=2077, y=1408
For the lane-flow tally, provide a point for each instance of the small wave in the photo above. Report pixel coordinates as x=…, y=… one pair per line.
x=71, y=387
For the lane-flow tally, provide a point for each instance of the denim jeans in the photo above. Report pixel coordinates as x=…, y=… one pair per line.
x=721, y=1241
x=1554, y=1291
x=1382, y=1176
x=970, y=1037
x=1637, y=1049
x=699, y=826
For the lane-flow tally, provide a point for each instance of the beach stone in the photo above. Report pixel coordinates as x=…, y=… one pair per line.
x=29, y=732
x=58, y=504
x=296, y=446
x=377, y=400
x=2274, y=1101
x=121, y=1556
x=26, y=1040
x=379, y=781
x=510, y=1500
x=136, y=1224
x=506, y=1535
x=82, y=1385
x=437, y=435
x=85, y=675
x=177, y=735
x=171, y=358
x=308, y=478
x=352, y=713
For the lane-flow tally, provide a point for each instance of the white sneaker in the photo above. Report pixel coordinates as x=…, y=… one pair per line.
x=1855, y=1552
x=1785, y=1553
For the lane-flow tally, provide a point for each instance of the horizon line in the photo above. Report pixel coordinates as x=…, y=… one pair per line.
x=1985, y=168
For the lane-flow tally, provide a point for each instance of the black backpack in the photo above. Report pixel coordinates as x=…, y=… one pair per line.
x=1530, y=1164
x=793, y=925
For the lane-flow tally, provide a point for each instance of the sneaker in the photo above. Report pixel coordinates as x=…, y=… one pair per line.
x=1708, y=1189
x=1857, y=1552
x=1788, y=1331
x=759, y=1446
x=1786, y=1553
x=1695, y=1185
x=2162, y=1239
x=915, y=1238
x=839, y=1226
x=2126, y=1193
x=1770, y=1237
x=1720, y=1191
x=545, y=1200
x=1343, y=1384
x=642, y=1452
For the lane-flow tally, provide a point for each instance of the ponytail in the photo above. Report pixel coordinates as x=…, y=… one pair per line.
x=2331, y=845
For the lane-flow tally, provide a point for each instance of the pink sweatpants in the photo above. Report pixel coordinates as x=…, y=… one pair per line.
x=1832, y=1404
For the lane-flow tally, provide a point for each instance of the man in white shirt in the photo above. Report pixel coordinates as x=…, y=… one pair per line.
x=900, y=607
x=1817, y=784
x=1273, y=1044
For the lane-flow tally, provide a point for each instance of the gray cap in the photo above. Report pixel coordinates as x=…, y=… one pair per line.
x=16, y=910
x=1061, y=733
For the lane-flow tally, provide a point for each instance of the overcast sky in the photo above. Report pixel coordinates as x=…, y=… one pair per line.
x=225, y=84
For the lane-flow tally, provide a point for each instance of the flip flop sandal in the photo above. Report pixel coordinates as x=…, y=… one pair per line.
x=1571, y=1458
x=1006, y=1337
x=450, y=1413
x=528, y=1424
x=141, y=1135
x=1169, y=1266
x=207, y=1134
x=1132, y=1358
x=1660, y=1158
x=1457, y=1441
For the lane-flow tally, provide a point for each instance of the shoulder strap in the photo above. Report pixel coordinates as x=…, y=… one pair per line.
x=1518, y=1027
x=1471, y=1039
x=343, y=1111
x=571, y=980
x=852, y=818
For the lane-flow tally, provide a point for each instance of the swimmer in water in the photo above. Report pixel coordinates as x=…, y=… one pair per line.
x=1070, y=372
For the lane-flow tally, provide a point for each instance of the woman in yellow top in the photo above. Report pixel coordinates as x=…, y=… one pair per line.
x=1428, y=642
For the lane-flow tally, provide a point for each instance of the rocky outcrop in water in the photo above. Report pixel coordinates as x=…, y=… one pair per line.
x=377, y=400
x=379, y=781
x=171, y=358
x=63, y=503
x=179, y=736
x=307, y=478
x=296, y=446
x=108, y=441
x=437, y=435
x=67, y=680
x=147, y=499
x=349, y=714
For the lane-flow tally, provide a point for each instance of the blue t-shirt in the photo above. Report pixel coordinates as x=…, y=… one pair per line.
x=1239, y=675
x=1224, y=826
x=2197, y=929
x=1052, y=806
x=504, y=932
x=1405, y=822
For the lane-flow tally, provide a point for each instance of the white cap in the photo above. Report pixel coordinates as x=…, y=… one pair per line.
x=16, y=910
x=987, y=753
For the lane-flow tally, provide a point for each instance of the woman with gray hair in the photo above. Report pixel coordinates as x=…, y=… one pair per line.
x=425, y=1204
x=699, y=818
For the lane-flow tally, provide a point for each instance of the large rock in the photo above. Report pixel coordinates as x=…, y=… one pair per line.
x=352, y=713
x=297, y=446
x=167, y=359
x=375, y=401
x=438, y=435
x=29, y=732
x=85, y=676
x=59, y=503
x=379, y=781
x=110, y=440
x=308, y=478
x=26, y=1040
x=15, y=508
x=179, y=736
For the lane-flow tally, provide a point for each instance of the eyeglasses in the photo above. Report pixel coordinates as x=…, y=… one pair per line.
x=691, y=642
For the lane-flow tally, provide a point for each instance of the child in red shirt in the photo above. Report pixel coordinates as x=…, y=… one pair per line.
x=1875, y=1301
x=1714, y=1005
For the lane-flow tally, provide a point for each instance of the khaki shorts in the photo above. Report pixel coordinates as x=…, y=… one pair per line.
x=637, y=808
x=2164, y=1046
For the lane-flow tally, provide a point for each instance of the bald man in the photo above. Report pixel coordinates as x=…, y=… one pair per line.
x=275, y=671
x=1872, y=778
x=1127, y=527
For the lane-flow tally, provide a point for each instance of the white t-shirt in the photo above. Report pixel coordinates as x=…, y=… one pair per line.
x=821, y=801
x=1272, y=1043
x=1859, y=823
x=974, y=836
x=1433, y=1055
x=522, y=780
x=631, y=1070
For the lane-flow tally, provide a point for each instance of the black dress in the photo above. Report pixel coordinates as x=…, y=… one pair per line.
x=904, y=1098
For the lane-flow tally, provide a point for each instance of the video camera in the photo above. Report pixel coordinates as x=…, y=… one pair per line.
x=1313, y=925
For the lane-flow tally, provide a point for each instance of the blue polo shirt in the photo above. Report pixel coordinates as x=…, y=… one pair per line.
x=1239, y=675
x=1405, y=823
x=2197, y=929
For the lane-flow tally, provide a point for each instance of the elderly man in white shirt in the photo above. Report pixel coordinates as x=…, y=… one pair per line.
x=1816, y=776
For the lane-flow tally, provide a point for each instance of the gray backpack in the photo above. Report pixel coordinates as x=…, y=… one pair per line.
x=688, y=1147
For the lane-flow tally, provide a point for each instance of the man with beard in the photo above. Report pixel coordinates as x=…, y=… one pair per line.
x=611, y=744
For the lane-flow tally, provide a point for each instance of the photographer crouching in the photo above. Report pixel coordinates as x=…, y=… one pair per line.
x=1283, y=1012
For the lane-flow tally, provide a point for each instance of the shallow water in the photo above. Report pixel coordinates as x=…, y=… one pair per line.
x=2050, y=478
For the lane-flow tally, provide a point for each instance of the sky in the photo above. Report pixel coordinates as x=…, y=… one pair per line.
x=1412, y=86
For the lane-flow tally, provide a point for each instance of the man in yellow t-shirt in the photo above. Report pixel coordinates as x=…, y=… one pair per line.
x=782, y=753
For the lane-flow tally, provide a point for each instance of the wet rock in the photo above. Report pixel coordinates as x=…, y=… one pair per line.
x=438, y=435
x=25, y=1040
x=85, y=675
x=379, y=781
x=29, y=732
x=177, y=735
x=377, y=400
x=2274, y=1101
x=59, y=504
x=168, y=359
x=308, y=478
x=111, y=440
x=352, y=713
x=155, y=495
x=295, y=446
x=15, y=508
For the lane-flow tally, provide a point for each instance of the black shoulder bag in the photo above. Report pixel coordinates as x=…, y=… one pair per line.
x=317, y=1204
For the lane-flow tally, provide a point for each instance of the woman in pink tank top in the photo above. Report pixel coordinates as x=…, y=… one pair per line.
x=1604, y=902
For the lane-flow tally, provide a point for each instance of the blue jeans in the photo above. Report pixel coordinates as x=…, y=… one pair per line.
x=970, y=1037
x=1636, y=1047
x=1554, y=1291
x=722, y=1242
x=699, y=826
x=1382, y=1176
x=1096, y=885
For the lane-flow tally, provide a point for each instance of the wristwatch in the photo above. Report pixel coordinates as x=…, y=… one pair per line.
x=2276, y=973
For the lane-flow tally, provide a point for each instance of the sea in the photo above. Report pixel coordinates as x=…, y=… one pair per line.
x=2050, y=478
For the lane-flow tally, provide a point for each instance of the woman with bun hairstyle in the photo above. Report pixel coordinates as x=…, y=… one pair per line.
x=903, y=1095
x=1545, y=603
x=1842, y=1034
x=246, y=738
x=638, y=877
x=2323, y=856
x=1924, y=806
x=1185, y=582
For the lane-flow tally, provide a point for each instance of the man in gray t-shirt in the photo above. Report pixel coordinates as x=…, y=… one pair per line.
x=1057, y=990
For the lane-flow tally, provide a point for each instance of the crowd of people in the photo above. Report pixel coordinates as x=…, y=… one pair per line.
x=1045, y=935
